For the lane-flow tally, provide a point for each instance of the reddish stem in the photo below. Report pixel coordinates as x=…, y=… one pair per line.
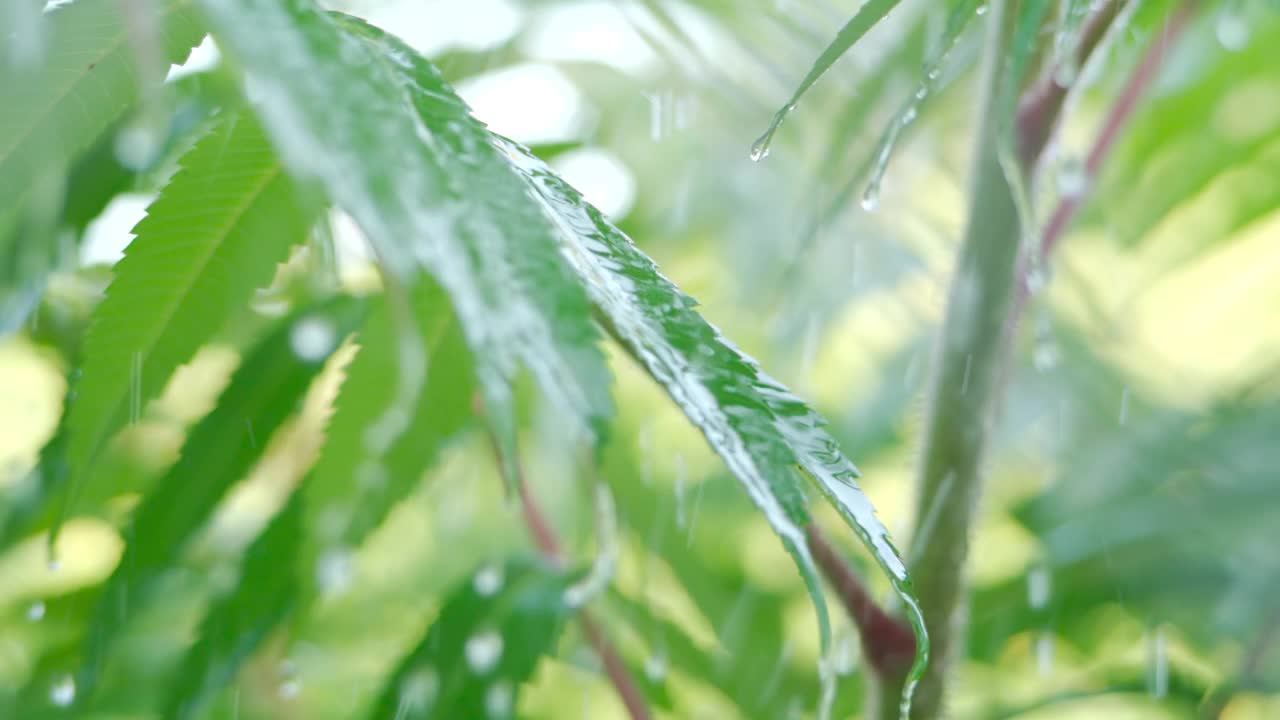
x=544, y=537
x=888, y=644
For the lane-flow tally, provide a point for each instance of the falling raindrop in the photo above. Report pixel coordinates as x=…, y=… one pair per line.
x=655, y=666
x=1039, y=586
x=498, y=699
x=488, y=580
x=290, y=689
x=335, y=570
x=419, y=689
x=681, y=481
x=138, y=145
x=312, y=338
x=1044, y=654
x=1124, y=406
x=1232, y=32
x=1072, y=180
x=1158, y=670
x=35, y=613
x=657, y=115
x=483, y=651
x=1045, y=355
x=63, y=692
x=135, y=387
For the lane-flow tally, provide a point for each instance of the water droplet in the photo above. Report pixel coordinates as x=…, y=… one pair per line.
x=313, y=338
x=1072, y=180
x=982, y=10
x=488, y=580
x=1158, y=670
x=922, y=92
x=63, y=692
x=290, y=689
x=498, y=699
x=935, y=73
x=35, y=613
x=335, y=570
x=1037, y=275
x=1044, y=654
x=871, y=197
x=909, y=115
x=655, y=666
x=54, y=565
x=1045, y=356
x=1039, y=584
x=483, y=651
x=419, y=689
x=1232, y=32
x=1066, y=72
x=760, y=149
x=138, y=146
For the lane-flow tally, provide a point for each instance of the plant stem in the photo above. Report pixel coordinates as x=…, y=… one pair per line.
x=965, y=385
x=544, y=537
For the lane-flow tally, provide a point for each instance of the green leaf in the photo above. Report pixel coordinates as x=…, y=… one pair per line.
x=219, y=451
x=487, y=641
x=394, y=151
x=872, y=12
x=356, y=483
x=53, y=111
x=215, y=234
x=239, y=622
x=768, y=437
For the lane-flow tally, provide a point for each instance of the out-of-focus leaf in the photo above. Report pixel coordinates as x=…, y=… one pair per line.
x=429, y=193
x=220, y=449
x=355, y=482
x=872, y=12
x=486, y=642
x=215, y=234
x=52, y=112
x=238, y=623
x=1182, y=142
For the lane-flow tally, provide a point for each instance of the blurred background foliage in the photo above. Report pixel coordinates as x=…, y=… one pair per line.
x=1126, y=562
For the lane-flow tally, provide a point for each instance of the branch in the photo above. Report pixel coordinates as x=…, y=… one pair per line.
x=888, y=643
x=544, y=537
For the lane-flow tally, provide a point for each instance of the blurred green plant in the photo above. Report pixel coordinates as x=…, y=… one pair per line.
x=230, y=505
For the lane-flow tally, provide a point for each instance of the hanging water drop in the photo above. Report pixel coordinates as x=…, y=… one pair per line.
x=982, y=10
x=312, y=338
x=63, y=692
x=871, y=197
x=1045, y=355
x=760, y=149
x=334, y=571
x=488, y=580
x=655, y=666
x=483, y=651
x=138, y=146
x=35, y=613
x=289, y=689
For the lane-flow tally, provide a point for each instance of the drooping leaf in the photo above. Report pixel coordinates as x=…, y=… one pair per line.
x=355, y=483
x=429, y=197
x=219, y=450
x=52, y=108
x=769, y=438
x=486, y=642
x=215, y=234
x=239, y=622
x=872, y=12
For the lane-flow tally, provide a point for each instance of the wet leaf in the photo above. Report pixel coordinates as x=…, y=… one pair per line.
x=219, y=450
x=485, y=644
x=769, y=438
x=53, y=111
x=213, y=236
x=239, y=622
x=400, y=157
x=871, y=12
